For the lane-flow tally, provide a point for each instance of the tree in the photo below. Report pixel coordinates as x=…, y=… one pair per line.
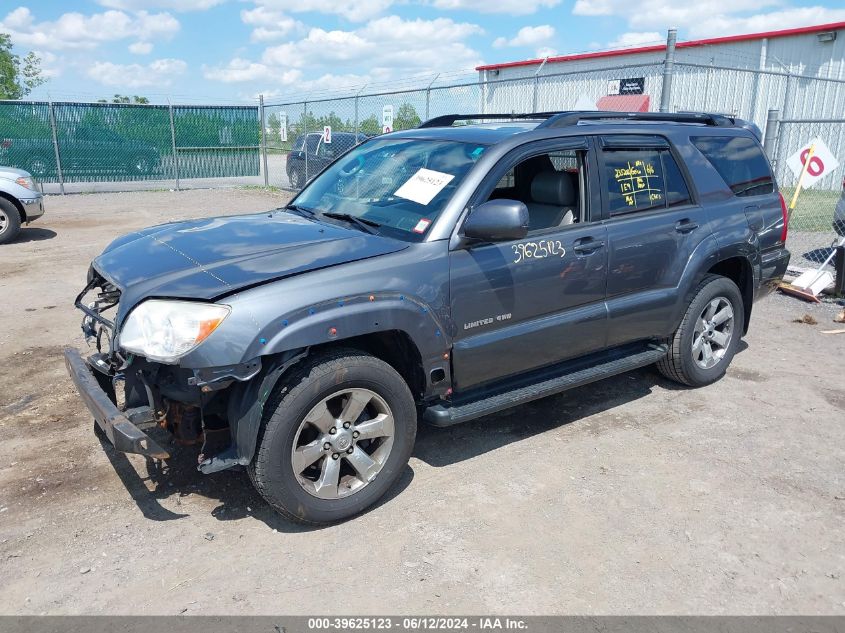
x=406, y=117
x=274, y=125
x=125, y=99
x=18, y=77
x=370, y=126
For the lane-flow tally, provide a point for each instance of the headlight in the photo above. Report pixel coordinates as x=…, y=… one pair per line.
x=29, y=183
x=165, y=331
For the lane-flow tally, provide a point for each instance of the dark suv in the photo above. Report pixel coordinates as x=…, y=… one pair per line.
x=445, y=273
x=311, y=154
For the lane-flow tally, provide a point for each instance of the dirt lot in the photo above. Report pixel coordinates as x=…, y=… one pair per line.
x=628, y=496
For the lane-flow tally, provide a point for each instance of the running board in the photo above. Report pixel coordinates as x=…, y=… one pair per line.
x=566, y=376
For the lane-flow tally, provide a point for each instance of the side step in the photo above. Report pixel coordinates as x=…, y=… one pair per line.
x=546, y=383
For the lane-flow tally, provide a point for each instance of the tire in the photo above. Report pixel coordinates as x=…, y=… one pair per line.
x=687, y=364
x=38, y=166
x=140, y=165
x=287, y=426
x=10, y=221
x=295, y=179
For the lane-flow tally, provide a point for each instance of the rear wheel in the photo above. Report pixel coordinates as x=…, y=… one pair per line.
x=335, y=437
x=10, y=221
x=296, y=179
x=707, y=339
x=140, y=165
x=38, y=166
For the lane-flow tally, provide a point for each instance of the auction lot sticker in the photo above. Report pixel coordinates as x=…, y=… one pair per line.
x=423, y=185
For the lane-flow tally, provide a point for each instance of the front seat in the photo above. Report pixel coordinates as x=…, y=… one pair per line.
x=553, y=200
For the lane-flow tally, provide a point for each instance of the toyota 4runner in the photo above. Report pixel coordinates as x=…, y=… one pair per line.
x=442, y=273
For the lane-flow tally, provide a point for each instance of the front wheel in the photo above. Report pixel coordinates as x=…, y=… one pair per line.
x=10, y=221
x=706, y=340
x=335, y=437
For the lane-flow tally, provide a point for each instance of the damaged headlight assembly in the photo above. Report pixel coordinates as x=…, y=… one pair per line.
x=164, y=331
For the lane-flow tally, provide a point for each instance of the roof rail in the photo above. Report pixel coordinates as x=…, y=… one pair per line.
x=447, y=120
x=565, y=119
x=570, y=117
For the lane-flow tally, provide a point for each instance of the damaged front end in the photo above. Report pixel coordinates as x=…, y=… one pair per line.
x=133, y=398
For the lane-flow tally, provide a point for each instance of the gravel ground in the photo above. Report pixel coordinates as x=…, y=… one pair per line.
x=628, y=496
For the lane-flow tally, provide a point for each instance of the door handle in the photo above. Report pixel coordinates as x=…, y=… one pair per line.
x=587, y=245
x=685, y=226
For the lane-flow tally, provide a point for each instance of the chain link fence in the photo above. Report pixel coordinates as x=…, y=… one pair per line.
x=159, y=145
x=65, y=143
x=814, y=226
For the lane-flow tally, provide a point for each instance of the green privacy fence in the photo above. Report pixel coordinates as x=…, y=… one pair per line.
x=106, y=142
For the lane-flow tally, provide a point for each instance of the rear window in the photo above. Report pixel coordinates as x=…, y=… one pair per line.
x=739, y=161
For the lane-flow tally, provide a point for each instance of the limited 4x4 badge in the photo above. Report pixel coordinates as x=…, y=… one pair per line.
x=487, y=321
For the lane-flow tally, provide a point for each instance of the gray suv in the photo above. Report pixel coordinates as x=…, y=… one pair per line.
x=438, y=274
x=20, y=202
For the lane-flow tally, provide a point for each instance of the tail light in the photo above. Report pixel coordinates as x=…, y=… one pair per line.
x=785, y=213
x=5, y=143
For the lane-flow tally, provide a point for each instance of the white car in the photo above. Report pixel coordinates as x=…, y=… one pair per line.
x=20, y=202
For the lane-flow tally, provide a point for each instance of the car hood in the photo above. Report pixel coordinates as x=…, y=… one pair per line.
x=13, y=173
x=213, y=257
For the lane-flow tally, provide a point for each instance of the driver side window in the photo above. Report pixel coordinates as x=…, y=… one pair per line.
x=551, y=185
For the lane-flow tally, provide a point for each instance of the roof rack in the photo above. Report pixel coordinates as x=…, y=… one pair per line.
x=447, y=120
x=567, y=118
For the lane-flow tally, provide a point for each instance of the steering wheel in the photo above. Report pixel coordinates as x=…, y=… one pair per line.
x=352, y=167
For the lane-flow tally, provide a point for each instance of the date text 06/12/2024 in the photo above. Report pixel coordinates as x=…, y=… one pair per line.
x=417, y=624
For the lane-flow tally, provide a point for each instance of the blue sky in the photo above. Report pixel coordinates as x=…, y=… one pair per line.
x=232, y=50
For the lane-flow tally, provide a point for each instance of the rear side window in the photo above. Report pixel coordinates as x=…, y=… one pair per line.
x=642, y=180
x=739, y=161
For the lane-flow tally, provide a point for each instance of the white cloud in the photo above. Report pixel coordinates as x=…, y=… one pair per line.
x=705, y=18
x=353, y=10
x=637, y=38
x=512, y=7
x=401, y=44
x=527, y=36
x=160, y=72
x=75, y=30
x=269, y=24
x=242, y=70
x=141, y=48
x=50, y=64
x=545, y=51
x=177, y=5
x=721, y=24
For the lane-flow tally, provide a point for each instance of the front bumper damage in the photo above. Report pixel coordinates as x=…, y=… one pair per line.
x=216, y=408
x=119, y=426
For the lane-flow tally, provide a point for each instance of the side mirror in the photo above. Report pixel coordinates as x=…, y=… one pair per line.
x=497, y=221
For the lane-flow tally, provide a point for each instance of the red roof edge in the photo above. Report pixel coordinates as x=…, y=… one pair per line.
x=818, y=28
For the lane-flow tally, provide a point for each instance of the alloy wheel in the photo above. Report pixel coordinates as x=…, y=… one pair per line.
x=343, y=443
x=713, y=333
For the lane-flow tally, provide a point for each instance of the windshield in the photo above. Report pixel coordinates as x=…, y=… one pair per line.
x=401, y=185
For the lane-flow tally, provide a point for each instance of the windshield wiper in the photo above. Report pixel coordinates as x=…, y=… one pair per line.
x=365, y=225
x=303, y=211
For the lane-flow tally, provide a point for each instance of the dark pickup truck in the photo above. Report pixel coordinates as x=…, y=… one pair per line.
x=83, y=150
x=441, y=273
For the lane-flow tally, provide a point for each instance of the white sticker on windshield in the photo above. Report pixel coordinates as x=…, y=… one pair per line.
x=423, y=185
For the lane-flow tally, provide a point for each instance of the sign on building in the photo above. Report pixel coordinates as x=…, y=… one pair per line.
x=630, y=86
x=820, y=164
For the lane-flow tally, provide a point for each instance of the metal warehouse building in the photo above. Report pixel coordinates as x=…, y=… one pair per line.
x=799, y=71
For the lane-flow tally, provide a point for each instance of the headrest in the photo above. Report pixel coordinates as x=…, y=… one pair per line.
x=554, y=187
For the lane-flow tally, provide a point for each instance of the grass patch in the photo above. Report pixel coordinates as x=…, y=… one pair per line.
x=270, y=188
x=814, y=209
